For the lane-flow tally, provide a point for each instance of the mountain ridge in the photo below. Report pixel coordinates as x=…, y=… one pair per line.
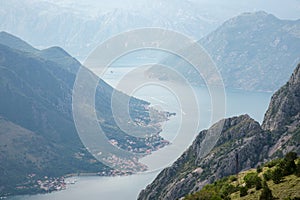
x=241, y=137
x=36, y=98
x=79, y=33
x=11, y=40
x=255, y=43
x=190, y=172
x=253, y=51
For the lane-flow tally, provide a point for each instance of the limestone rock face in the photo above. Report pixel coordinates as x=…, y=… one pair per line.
x=240, y=135
x=284, y=109
x=243, y=144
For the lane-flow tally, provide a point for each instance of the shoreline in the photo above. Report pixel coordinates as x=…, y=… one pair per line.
x=62, y=185
x=68, y=176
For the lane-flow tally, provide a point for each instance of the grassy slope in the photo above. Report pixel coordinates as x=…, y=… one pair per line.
x=289, y=187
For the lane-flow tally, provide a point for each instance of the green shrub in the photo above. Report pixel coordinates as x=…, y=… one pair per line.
x=243, y=191
x=288, y=164
x=267, y=175
x=233, y=178
x=291, y=156
x=277, y=175
x=266, y=193
x=227, y=189
x=297, y=171
x=259, y=169
x=258, y=184
x=273, y=163
x=252, y=179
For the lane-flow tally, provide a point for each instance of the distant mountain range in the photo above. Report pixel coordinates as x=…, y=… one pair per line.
x=241, y=136
x=79, y=31
x=241, y=47
x=253, y=51
x=37, y=130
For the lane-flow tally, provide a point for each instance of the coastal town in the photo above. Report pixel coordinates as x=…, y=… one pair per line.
x=47, y=184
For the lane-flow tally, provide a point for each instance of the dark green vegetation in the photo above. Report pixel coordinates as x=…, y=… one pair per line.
x=253, y=51
x=250, y=184
x=253, y=143
x=37, y=131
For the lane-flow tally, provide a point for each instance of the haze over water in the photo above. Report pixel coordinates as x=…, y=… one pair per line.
x=128, y=187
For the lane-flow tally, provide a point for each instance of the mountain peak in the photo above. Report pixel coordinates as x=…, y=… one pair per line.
x=257, y=14
x=260, y=13
x=244, y=49
x=14, y=42
x=240, y=136
x=252, y=18
x=295, y=78
x=55, y=50
x=59, y=55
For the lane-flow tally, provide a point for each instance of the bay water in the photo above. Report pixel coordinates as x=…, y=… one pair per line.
x=127, y=187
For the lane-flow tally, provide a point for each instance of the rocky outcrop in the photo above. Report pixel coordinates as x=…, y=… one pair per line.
x=243, y=144
x=283, y=113
x=283, y=117
x=240, y=136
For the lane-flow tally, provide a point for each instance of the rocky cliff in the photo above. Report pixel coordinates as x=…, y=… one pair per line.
x=243, y=144
x=240, y=136
x=283, y=117
x=283, y=112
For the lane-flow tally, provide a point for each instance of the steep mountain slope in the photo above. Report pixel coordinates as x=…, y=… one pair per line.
x=253, y=51
x=24, y=153
x=241, y=136
x=283, y=117
x=15, y=42
x=36, y=99
x=55, y=54
x=283, y=112
x=259, y=183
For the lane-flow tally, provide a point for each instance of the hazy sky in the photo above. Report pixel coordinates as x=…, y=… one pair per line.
x=288, y=9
